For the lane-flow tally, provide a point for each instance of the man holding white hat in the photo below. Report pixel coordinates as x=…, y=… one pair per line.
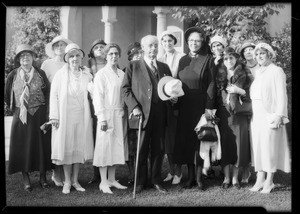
x=139, y=89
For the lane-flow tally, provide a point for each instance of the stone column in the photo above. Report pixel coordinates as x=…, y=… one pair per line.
x=109, y=17
x=161, y=24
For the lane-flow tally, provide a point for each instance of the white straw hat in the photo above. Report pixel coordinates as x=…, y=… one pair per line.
x=71, y=47
x=168, y=87
x=49, y=50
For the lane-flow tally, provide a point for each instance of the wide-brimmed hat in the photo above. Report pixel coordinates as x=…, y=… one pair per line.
x=49, y=47
x=219, y=39
x=96, y=42
x=20, y=49
x=245, y=45
x=70, y=47
x=169, y=33
x=230, y=51
x=168, y=87
x=133, y=48
x=194, y=29
x=267, y=47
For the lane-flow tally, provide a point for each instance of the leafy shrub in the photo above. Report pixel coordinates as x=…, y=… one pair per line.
x=35, y=26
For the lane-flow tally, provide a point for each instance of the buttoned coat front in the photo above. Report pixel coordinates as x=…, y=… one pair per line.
x=137, y=88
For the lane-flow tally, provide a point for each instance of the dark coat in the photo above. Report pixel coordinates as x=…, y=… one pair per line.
x=137, y=88
x=9, y=95
x=198, y=80
x=233, y=128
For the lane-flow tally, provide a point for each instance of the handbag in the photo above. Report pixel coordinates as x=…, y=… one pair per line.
x=243, y=109
x=207, y=133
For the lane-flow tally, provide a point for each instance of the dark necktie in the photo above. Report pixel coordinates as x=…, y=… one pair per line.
x=153, y=68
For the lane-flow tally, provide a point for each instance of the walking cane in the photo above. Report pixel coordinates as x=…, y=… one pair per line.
x=137, y=155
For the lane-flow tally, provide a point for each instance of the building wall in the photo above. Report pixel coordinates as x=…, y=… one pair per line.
x=92, y=28
x=130, y=27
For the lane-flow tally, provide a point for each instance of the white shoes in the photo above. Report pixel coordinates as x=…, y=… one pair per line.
x=104, y=187
x=257, y=187
x=176, y=179
x=169, y=177
x=116, y=184
x=66, y=188
x=78, y=187
x=57, y=183
x=267, y=190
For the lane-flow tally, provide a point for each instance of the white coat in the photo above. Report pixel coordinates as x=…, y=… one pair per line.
x=58, y=110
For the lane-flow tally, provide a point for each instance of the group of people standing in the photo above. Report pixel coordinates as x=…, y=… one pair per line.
x=94, y=111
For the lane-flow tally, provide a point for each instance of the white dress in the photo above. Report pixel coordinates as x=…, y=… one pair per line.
x=108, y=104
x=269, y=146
x=74, y=141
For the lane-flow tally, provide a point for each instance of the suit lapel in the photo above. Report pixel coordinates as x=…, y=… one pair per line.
x=160, y=69
x=145, y=70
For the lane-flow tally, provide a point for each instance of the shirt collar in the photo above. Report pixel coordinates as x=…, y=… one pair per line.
x=148, y=61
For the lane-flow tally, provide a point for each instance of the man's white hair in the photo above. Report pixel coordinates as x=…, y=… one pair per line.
x=147, y=38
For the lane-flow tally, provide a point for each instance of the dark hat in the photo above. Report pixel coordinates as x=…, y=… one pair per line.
x=230, y=51
x=20, y=49
x=245, y=45
x=96, y=42
x=194, y=29
x=133, y=48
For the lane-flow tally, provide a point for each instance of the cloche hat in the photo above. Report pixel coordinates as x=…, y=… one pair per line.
x=219, y=39
x=70, y=47
x=133, y=48
x=267, y=47
x=169, y=33
x=20, y=49
x=245, y=45
x=96, y=42
x=194, y=29
x=49, y=47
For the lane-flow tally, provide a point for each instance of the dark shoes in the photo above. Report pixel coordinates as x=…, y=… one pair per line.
x=44, y=184
x=236, y=185
x=160, y=189
x=94, y=179
x=189, y=184
x=139, y=188
x=200, y=185
x=225, y=185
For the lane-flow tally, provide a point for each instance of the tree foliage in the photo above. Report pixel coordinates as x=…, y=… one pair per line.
x=35, y=26
x=237, y=23
x=240, y=23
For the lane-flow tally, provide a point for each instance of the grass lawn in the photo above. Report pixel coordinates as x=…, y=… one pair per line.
x=213, y=196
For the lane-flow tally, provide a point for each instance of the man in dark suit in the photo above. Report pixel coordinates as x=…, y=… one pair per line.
x=139, y=89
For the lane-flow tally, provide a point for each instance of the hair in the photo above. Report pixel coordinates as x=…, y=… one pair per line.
x=147, y=38
x=270, y=55
x=109, y=46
